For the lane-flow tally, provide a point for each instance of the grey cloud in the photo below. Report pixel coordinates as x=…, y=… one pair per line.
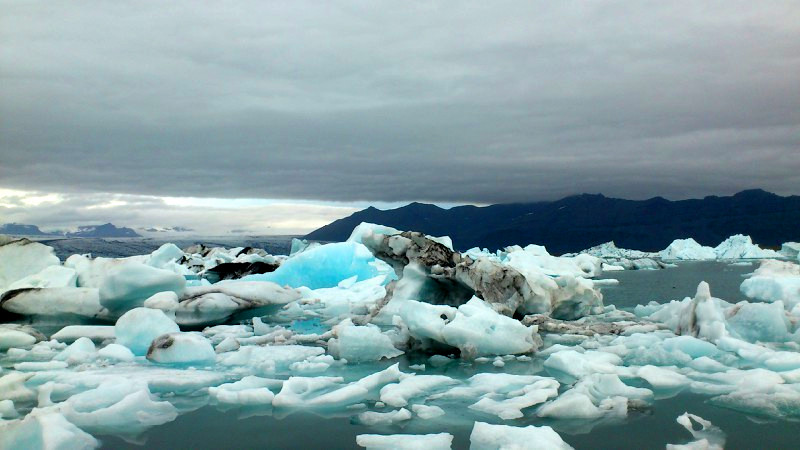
x=475, y=102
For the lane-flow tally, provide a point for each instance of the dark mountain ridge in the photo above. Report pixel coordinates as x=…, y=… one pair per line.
x=107, y=230
x=581, y=221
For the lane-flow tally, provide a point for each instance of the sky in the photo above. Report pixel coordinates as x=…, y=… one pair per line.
x=279, y=117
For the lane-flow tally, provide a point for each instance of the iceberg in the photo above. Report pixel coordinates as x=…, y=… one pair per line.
x=137, y=328
x=181, y=348
x=205, y=305
x=474, y=328
x=326, y=266
x=250, y=390
x=22, y=258
x=486, y=436
x=18, y=336
x=687, y=249
x=440, y=441
x=741, y=247
x=45, y=429
x=774, y=281
x=708, y=437
x=361, y=343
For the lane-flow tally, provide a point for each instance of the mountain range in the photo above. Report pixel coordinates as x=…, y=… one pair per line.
x=581, y=221
x=87, y=231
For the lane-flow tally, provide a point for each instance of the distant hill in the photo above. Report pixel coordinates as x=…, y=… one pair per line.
x=18, y=229
x=582, y=221
x=102, y=231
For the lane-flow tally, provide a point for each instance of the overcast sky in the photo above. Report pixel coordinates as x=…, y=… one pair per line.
x=135, y=112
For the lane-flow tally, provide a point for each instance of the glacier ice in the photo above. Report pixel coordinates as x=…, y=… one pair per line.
x=439, y=441
x=708, y=437
x=137, y=328
x=774, y=281
x=361, y=343
x=18, y=336
x=250, y=390
x=22, y=258
x=181, y=348
x=687, y=249
x=326, y=266
x=45, y=429
x=486, y=436
x=514, y=335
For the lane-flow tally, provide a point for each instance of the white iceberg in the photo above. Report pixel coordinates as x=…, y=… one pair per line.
x=687, y=249
x=137, y=328
x=486, y=436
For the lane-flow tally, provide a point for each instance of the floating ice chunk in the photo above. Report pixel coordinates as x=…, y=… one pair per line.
x=137, y=328
x=692, y=346
x=12, y=387
x=49, y=277
x=79, y=352
x=97, y=333
x=327, y=392
x=53, y=301
x=166, y=257
x=511, y=408
x=361, y=343
x=7, y=410
x=774, y=281
x=662, y=378
x=741, y=247
x=703, y=316
x=764, y=322
x=485, y=436
x=44, y=429
x=370, y=233
x=326, y=266
x=228, y=344
x=496, y=384
x=478, y=330
x=127, y=285
x=314, y=364
x=346, y=301
x=582, y=265
x=299, y=391
x=399, y=394
x=427, y=412
x=579, y=365
x=36, y=366
x=474, y=328
x=595, y=396
x=21, y=258
x=17, y=336
x=709, y=437
x=116, y=352
x=181, y=348
x=440, y=441
x=573, y=405
x=687, y=249
x=425, y=321
x=270, y=358
x=249, y=390
x=372, y=418
x=215, y=303
x=116, y=407
x=166, y=301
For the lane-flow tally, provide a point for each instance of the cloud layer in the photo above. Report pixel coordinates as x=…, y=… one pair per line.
x=394, y=101
x=203, y=216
